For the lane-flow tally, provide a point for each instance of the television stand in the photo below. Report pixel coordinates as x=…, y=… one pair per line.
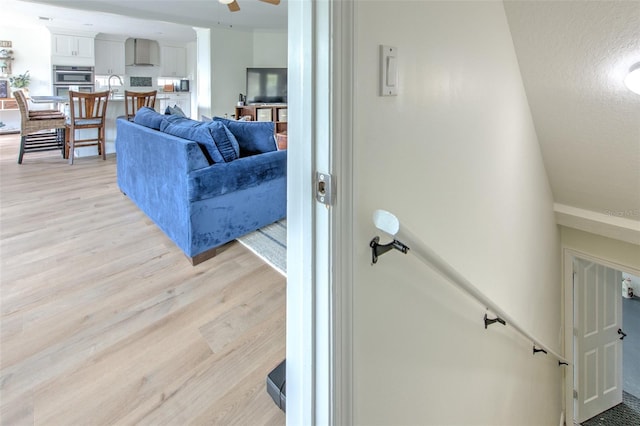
x=265, y=112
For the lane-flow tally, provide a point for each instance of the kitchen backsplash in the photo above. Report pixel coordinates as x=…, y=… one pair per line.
x=141, y=81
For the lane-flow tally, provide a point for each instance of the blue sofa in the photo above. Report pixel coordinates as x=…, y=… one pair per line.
x=199, y=201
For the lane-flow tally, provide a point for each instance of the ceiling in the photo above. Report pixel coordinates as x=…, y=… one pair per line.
x=573, y=57
x=156, y=19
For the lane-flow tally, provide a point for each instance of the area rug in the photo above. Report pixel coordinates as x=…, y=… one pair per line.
x=270, y=244
x=625, y=414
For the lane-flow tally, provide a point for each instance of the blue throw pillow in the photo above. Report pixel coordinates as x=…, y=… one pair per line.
x=174, y=110
x=148, y=117
x=202, y=133
x=224, y=140
x=254, y=137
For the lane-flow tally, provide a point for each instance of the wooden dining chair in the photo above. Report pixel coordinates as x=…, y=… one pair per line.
x=87, y=111
x=39, y=130
x=133, y=101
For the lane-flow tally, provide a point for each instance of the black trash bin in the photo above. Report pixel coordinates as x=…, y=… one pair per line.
x=277, y=385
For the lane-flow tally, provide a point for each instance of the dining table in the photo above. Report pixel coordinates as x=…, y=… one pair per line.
x=50, y=99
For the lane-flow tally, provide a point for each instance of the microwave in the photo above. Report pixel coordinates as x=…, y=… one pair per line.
x=72, y=75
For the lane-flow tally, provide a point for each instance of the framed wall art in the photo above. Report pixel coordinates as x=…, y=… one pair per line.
x=4, y=88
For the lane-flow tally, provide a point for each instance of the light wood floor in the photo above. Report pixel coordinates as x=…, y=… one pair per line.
x=103, y=319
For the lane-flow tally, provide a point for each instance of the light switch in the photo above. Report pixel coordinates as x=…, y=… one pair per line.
x=388, y=71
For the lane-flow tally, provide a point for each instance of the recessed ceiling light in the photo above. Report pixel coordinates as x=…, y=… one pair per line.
x=632, y=80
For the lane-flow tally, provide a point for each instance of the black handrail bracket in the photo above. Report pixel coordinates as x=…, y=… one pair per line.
x=536, y=350
x=489, y=321
x=378, y=249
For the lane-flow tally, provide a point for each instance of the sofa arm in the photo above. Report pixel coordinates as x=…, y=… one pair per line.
x=152, y=170
x=246, y=172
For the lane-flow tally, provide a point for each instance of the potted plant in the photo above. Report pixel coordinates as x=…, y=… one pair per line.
x=20, y=81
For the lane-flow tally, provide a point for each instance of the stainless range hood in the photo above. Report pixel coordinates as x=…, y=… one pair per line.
x=141, y=52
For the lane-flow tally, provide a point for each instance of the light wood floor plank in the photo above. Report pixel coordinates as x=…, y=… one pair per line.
x=104, y=321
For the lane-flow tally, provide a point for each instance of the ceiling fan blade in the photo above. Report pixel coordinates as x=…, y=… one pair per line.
x=276, y=2
x=233, y=6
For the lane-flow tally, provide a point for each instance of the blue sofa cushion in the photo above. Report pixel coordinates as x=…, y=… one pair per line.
x=254, y=137
x=148, y=117
x=248, y=172
x=218, y=143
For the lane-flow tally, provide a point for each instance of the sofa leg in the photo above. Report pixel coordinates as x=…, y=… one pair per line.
x=206, y=255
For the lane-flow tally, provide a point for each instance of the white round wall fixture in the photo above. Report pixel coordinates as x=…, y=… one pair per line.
x=632, y=80
x=386, y=221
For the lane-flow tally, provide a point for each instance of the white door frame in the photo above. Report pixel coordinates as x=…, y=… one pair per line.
x=568, y=256
x=319, y=274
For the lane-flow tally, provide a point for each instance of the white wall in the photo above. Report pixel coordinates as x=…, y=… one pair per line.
x=270, y=49
x=455, y=156
x=231, y=54
x=32, y=53
x=614, y=251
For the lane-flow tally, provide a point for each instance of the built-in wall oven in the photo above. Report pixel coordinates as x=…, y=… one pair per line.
x=67, y=77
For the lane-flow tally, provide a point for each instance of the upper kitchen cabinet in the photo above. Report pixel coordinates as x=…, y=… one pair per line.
x=174, y=61
x=109, y=57
x=69, y=49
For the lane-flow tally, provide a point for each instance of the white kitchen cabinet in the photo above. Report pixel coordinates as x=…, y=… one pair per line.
x=173, y=61
x=109, y=57
x=72, y=50
x=182, y=99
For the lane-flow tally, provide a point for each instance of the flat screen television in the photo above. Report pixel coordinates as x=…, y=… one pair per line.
x=266, y=85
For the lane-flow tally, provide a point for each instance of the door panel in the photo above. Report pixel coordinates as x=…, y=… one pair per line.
x=590, y=387
x=598, y=354
x=610, y=363
x=590, y=305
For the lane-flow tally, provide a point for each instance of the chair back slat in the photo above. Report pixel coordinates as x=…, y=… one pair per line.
x=133, y=101
x=88, y=105
x=87, y=111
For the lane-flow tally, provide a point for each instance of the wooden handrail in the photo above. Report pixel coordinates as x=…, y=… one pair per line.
x=407, y=242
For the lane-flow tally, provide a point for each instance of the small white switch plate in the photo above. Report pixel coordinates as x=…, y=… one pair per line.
x=388, y=71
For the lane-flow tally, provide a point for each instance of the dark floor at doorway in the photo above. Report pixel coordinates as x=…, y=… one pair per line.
x=625, y=414
x=631, y=346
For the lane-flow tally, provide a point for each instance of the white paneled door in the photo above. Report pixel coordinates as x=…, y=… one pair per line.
x=598, y=348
